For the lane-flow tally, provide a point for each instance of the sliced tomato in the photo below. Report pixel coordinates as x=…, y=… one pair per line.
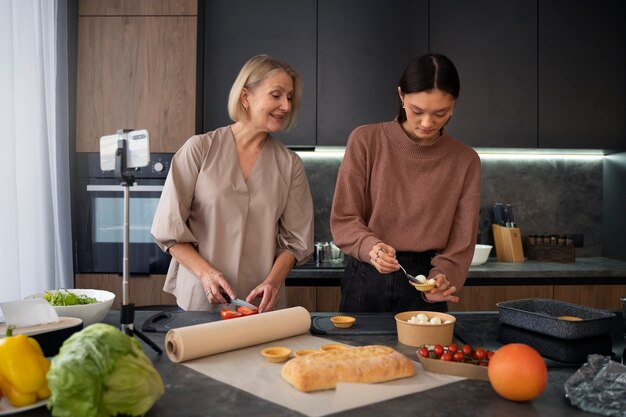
x=229, y=314
x=245, y=311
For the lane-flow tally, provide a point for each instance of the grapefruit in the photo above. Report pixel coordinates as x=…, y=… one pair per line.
x=517, y=372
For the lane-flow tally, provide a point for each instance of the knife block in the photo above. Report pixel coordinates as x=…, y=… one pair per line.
x=508, y=242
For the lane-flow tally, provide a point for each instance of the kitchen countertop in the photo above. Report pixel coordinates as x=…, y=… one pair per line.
x=591, y=270
x=189, y=394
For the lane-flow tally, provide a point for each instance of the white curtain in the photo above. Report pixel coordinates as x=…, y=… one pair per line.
x=35, y=228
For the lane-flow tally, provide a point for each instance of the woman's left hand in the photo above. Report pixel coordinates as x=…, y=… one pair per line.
x=443, y=291
x=270, y=296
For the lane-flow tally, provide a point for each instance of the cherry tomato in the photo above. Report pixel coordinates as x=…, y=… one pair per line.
x=245, y=311
x=467, y=350
x=490, y=354
x=423, y=352
x=458, y=357
x=446, y=357
x=483, y=363
x=229, y=314
x=452, y=348
x=438, y=350
x=479, y=354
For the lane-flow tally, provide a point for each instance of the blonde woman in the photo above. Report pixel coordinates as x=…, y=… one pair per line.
x=236, y=212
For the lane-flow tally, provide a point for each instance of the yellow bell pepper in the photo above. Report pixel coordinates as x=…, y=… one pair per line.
x=23, y=369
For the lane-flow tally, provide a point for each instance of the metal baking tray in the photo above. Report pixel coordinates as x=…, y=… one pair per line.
x=557, y=349
x=542, y=316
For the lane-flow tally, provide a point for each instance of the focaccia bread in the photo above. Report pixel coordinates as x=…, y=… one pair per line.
x=366, y=364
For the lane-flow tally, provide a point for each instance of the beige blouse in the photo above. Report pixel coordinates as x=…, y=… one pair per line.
x=237, y=226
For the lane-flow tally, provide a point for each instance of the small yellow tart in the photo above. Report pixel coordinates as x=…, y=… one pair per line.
x=276, y=354
x=343, y=322
x=303, y=352
x=333, y=346
x=422, y=287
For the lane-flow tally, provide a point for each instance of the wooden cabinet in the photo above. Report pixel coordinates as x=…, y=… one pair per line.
x=597, y=296
x=484, y=298
x=136, y=69
x=363, y=48
x=302, y=296
x=314, y=298
x=582, y=71
x=138, y=7
x=143, y=290
x=236, y=30
x=494, y=47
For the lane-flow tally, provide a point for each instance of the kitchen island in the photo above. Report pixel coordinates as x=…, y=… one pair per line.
x=189, y=393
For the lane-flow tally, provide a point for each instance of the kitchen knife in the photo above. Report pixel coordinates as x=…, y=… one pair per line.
x=498, y=214
x=509, y=215
x=237, y=301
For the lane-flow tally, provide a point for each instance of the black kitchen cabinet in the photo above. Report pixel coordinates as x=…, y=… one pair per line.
x=493, y=44
x=534, y=74
x=363, y=47
x=236, y=30
x=582, y=65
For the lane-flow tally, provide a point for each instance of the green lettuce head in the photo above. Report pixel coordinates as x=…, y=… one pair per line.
x=102, y=372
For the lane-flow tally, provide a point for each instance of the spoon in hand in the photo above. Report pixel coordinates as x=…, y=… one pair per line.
x=409, y=276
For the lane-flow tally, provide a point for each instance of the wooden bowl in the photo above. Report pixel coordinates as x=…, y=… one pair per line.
x=276, y=354
x=343, y=322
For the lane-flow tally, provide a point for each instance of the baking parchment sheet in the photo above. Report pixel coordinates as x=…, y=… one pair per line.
x=255, y=375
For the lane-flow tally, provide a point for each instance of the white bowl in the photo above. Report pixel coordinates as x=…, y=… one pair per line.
x=88, y=313
x=481, y=253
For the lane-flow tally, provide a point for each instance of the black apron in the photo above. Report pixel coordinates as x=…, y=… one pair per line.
x=364, y=289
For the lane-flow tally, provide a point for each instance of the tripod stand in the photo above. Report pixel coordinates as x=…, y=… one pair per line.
x=127, y=315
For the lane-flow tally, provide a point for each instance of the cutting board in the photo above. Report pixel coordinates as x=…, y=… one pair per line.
x=164, y=321
x=365, y=324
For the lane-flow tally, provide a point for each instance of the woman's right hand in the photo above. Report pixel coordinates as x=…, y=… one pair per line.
x=213, y=282
x=383, y=258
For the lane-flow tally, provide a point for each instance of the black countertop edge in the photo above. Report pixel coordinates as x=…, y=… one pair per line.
x=592, y=270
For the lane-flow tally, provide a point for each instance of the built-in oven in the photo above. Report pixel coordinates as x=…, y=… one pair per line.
x=99, y=217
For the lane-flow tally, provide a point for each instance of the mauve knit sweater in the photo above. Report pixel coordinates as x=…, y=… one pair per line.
x=413, y=197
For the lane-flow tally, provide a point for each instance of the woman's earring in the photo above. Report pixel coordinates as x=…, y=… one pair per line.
x=402, y=104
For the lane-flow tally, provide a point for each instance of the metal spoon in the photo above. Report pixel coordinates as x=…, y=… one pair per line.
x=409, y=276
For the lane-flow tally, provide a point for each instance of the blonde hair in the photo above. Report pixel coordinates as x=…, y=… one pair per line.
x=254, y=72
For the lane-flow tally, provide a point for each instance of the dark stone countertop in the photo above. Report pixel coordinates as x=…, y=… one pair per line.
x=189, y=394
x=591, y=270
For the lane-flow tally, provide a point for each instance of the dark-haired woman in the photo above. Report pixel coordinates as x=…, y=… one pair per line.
x=408, y=193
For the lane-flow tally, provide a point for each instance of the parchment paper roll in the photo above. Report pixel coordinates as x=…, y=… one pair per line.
x=206, y=339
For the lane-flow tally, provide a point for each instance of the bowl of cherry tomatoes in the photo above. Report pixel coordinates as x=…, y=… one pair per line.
x=453, y=359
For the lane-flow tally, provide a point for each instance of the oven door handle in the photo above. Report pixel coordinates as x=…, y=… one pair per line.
x=120, y=188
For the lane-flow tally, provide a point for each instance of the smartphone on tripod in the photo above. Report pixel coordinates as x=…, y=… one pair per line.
x=137, y=149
